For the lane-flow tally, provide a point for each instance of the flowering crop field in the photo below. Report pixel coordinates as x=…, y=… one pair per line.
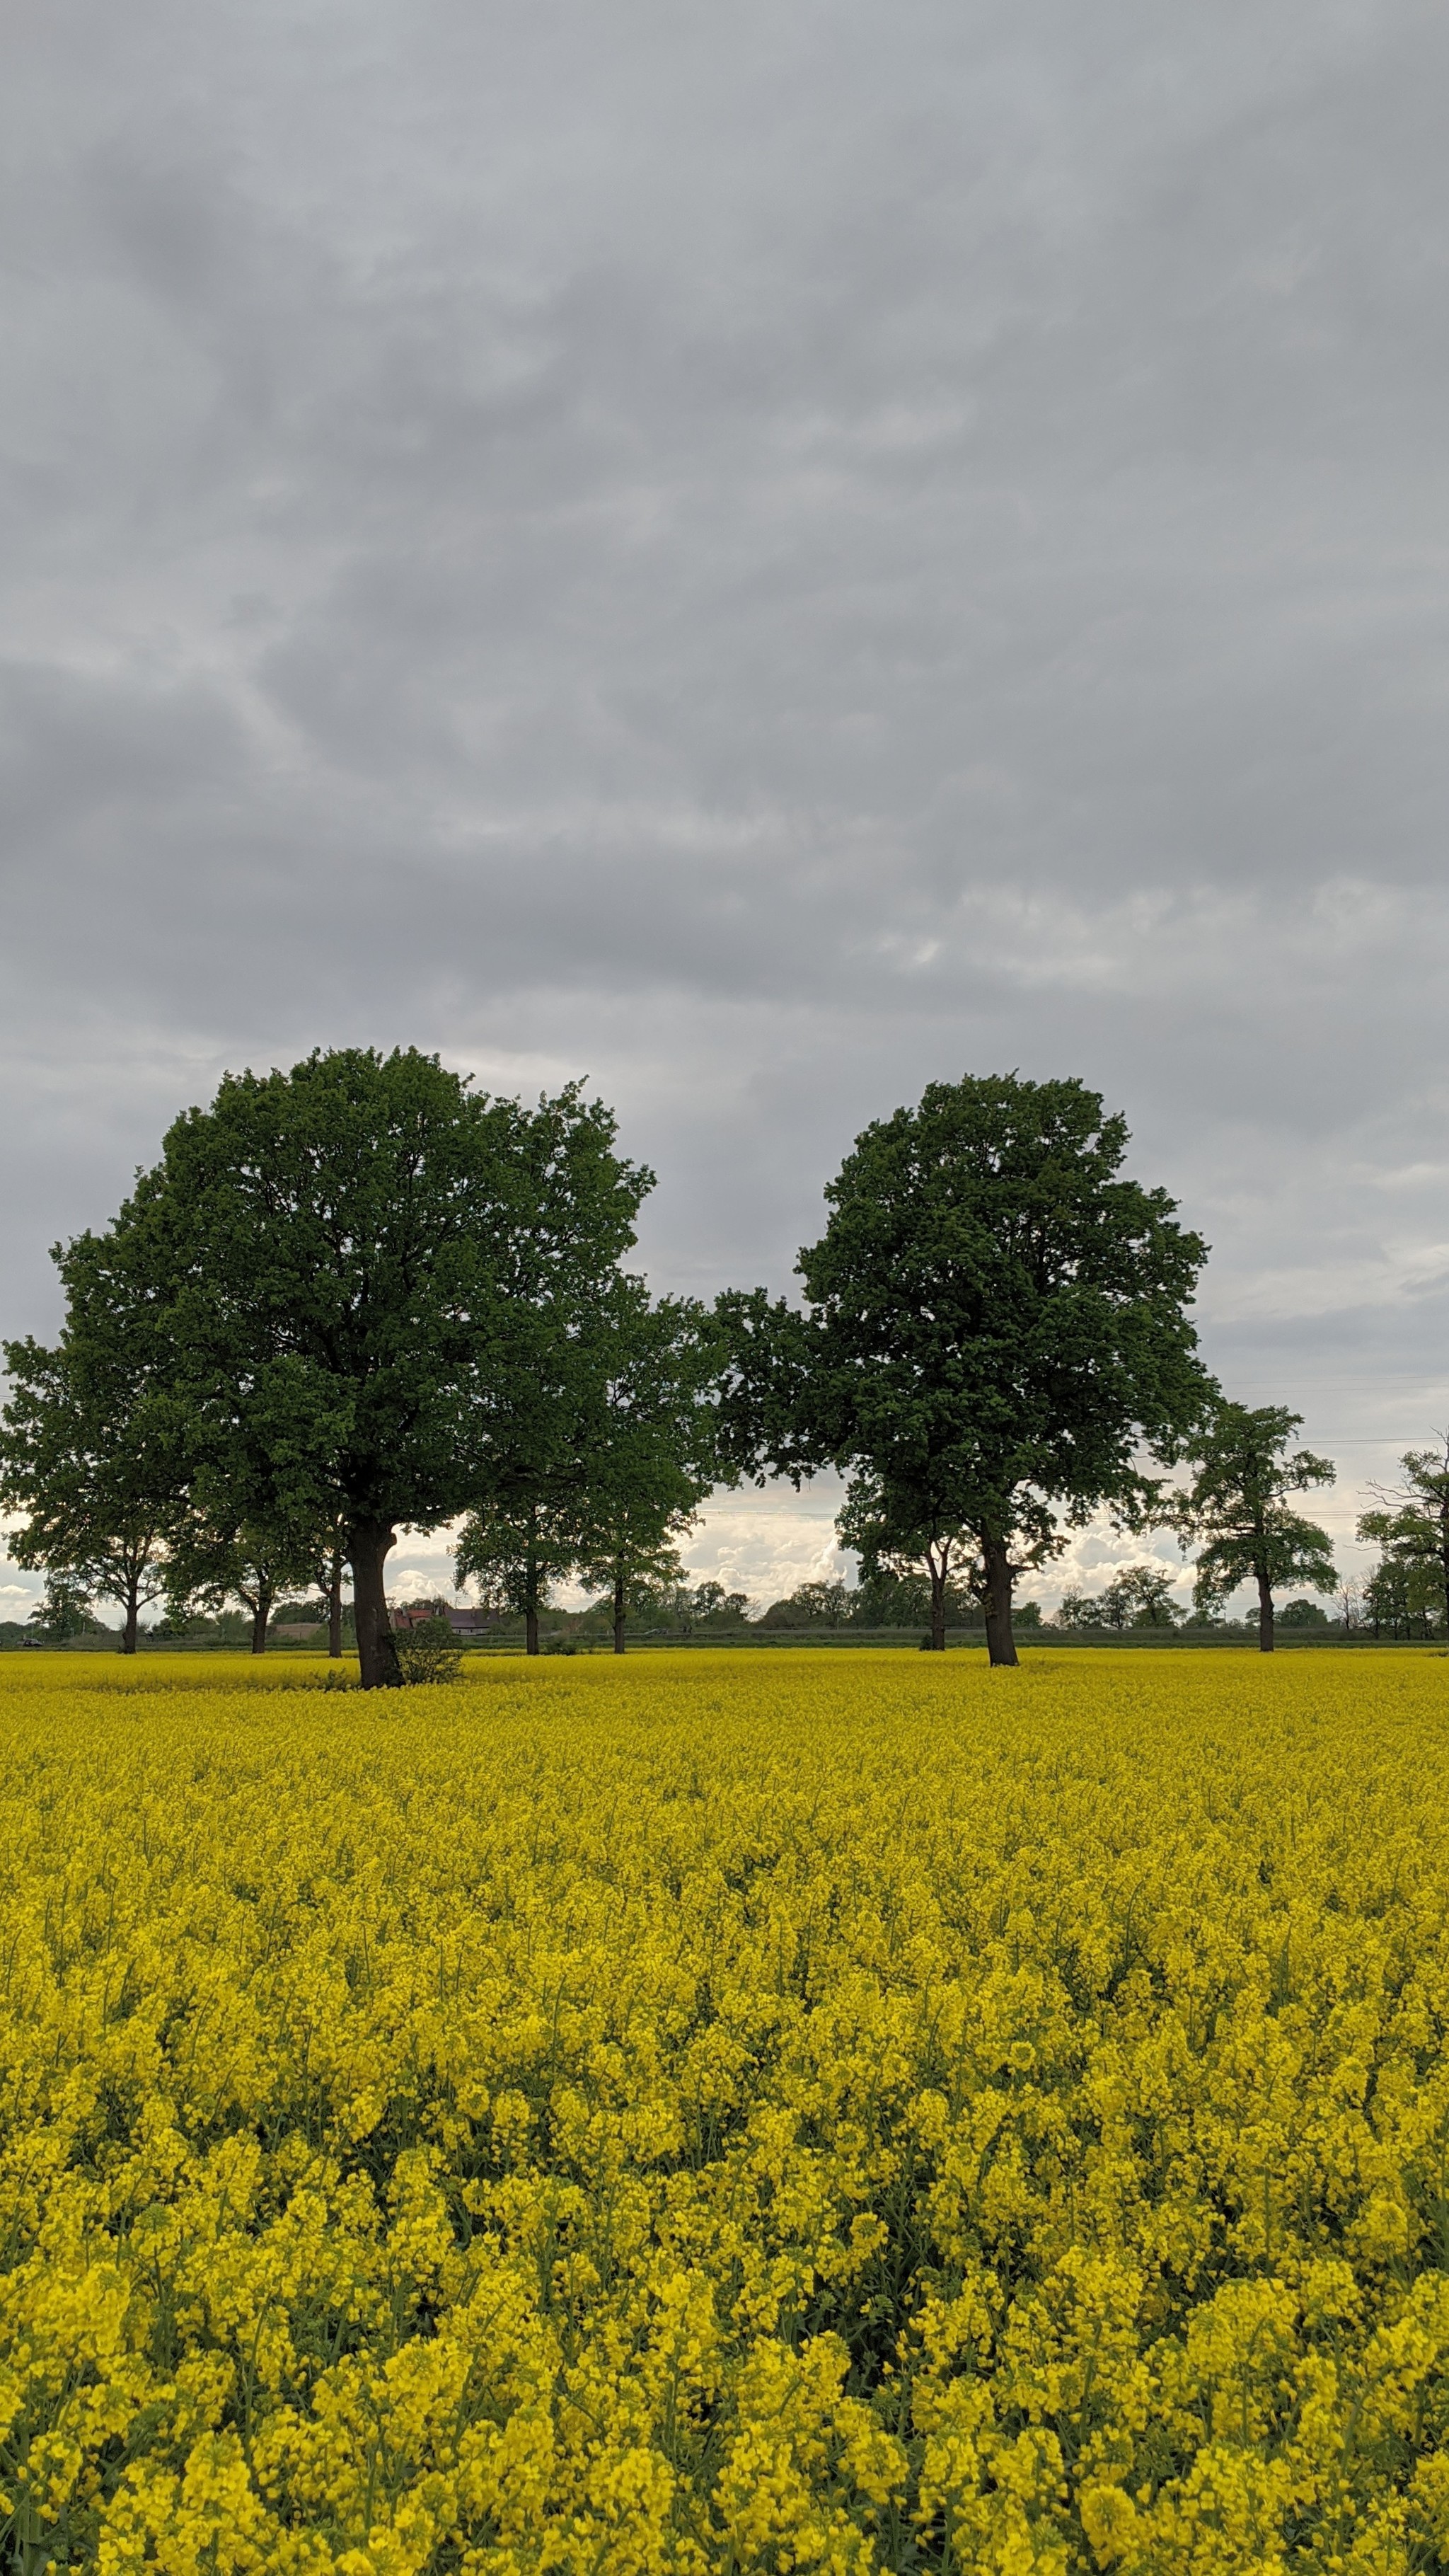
x=825, y=2111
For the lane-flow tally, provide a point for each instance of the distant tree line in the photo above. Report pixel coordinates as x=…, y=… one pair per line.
x=363, y=1296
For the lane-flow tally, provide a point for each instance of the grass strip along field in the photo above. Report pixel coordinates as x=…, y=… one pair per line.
x=710, y=2114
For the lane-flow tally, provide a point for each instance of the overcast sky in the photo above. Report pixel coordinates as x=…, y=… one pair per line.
x=763, y=556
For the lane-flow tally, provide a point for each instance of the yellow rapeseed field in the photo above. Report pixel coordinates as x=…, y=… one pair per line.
x=831, y=2111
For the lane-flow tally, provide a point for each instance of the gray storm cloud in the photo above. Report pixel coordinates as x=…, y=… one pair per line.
x=764, y=556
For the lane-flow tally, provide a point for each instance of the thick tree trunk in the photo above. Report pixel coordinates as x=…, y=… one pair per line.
x=530, y=1632
x=1265, y=1615
x=334, y=1607
x=261, y=1615
x=368, y=1545
x=1000, y=1643
x=132, y=1622
x=938, y=1607
x=619, y=1614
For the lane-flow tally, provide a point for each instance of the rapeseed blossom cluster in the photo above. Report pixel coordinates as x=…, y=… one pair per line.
x=808, y=2111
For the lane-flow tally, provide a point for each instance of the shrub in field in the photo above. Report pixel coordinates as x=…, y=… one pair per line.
x=429, y=1652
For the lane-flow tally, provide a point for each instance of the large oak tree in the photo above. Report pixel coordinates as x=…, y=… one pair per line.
x=995, y=1327
x=366, y=1270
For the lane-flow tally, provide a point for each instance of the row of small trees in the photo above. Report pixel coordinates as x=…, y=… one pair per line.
x=361, y=1296
x=1405, y=1594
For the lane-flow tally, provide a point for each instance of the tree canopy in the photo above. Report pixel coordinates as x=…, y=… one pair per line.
x=652, y=1450
x=995, y=1326
x=363, y=1295
x=1237, y=1509
x=366, y=1270
x=515, y=1552
x=92, y=1437
x=1410, y=1521
x=208, y=1567
x=602, y=1471
x=1138, y=1596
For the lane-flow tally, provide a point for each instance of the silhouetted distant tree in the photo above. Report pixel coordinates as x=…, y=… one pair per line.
x=1410, y=1521
x=93, y=1436
x=646, y=1452
x=1237, y=1510
x=207, y=1568
x=1140, y=1596
x=515, y=1555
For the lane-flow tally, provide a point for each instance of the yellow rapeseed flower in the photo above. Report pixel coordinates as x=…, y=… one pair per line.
x=777, y=2111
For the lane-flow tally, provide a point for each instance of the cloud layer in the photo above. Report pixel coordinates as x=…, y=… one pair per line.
x=763, y=556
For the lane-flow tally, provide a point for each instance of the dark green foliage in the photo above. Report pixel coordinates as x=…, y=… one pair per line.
x=648, y=1452
x=1138, y=1596
x=709, y=1605
x=883, y=1524
x=1237, y=1509
x=812, y=1605
x=603, y=1481
x=92, y=1437
x=885, y=1600
x=429, y=1652
x=1303, y=1614
x=515, y=1552
x=603, y=1469
x=1411, y=1524
x=995, y=1325
x=65, y=1610
x=682, y=1607
x=1400, y=1597
x=209, y=1567
x=370, y=1275
x=1078, y=1610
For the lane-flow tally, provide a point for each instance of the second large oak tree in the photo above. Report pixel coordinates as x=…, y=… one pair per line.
x=995, y=1332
